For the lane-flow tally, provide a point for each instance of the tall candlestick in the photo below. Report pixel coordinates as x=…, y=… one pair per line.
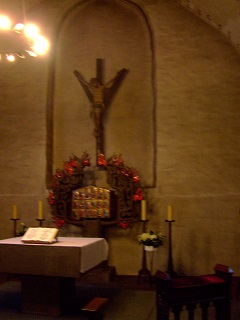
x=169, y=214
x=40, y=209
x=143, y=210
x=144, y=271
x=15, y=212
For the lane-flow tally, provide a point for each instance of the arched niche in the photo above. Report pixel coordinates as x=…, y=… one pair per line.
x=119, y=33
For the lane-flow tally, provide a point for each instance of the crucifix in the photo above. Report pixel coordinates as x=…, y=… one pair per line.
x=100, y=96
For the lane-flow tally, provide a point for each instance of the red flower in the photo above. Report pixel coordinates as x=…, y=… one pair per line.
x=59, y=222
x=138, y=195
x=51, y=198
x=67, y=167
x=101, y=160
x=124, y=224
x=136, y=179
x=118, y=161
x=59, y=174
x=85, y=160
x=135, y=176
x=125, y=172
x=86, y=163
x=73, y=163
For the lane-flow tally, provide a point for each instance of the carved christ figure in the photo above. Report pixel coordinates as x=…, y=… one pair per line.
x=100, y=95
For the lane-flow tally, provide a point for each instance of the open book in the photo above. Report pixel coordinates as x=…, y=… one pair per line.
x=40, y=235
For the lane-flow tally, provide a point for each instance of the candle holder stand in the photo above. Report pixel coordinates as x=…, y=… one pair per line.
x=40, y=222
x=15, y=233
x=144, y=272
x=170, y=269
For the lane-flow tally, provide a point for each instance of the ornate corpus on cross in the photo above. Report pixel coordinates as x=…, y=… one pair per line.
x=100, y=96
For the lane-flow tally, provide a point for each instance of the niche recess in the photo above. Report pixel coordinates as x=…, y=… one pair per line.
x=119, y=33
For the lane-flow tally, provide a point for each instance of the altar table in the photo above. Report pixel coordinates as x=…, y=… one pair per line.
x=48, y=271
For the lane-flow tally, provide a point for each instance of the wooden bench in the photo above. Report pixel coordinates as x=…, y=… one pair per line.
x=175, y=294
x=93, y=310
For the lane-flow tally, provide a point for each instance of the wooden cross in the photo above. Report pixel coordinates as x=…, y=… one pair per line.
x=100, y=95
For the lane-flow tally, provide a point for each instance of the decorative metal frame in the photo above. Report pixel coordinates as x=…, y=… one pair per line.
x=122, y=179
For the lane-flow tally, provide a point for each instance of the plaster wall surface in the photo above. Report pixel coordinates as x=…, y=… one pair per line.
x=197, y=75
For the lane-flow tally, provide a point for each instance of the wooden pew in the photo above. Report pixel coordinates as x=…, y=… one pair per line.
x=189, y=292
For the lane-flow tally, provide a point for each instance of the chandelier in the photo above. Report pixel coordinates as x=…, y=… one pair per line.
x=20, y=40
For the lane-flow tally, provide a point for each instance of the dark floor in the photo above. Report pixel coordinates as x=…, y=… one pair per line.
x=128, y=300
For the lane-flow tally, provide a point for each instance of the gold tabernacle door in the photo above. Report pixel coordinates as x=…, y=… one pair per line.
x=93, y=202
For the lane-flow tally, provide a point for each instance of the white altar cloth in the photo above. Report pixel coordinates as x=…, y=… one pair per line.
x=91, y=251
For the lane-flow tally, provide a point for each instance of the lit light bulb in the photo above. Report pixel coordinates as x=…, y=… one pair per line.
x=10, y=57
x=31, y=31
x=5, y=22
x=19, y=27
x=40, y=45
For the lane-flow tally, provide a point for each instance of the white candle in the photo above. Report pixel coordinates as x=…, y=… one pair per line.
x=40, y=210
x=15, y=212
x=169, y=214
x=143, y=210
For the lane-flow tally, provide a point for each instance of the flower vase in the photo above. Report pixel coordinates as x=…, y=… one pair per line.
x=150, y=248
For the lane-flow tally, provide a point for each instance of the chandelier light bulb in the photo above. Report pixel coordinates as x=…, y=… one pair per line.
x=16, y=41
x=19, y=27
x=10, y=57
x=31, y=31
x=40, y=45
x=5, y=22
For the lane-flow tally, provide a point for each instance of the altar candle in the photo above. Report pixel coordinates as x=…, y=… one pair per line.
x=15, y=212
x=40, y=210
x=169, y=214
x=143, y=210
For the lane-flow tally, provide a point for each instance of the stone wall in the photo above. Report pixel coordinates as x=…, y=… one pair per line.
x=196, y=78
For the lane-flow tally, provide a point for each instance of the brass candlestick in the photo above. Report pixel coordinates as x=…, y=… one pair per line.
x=15, y=233
x=40, y=222
x=144, y=272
